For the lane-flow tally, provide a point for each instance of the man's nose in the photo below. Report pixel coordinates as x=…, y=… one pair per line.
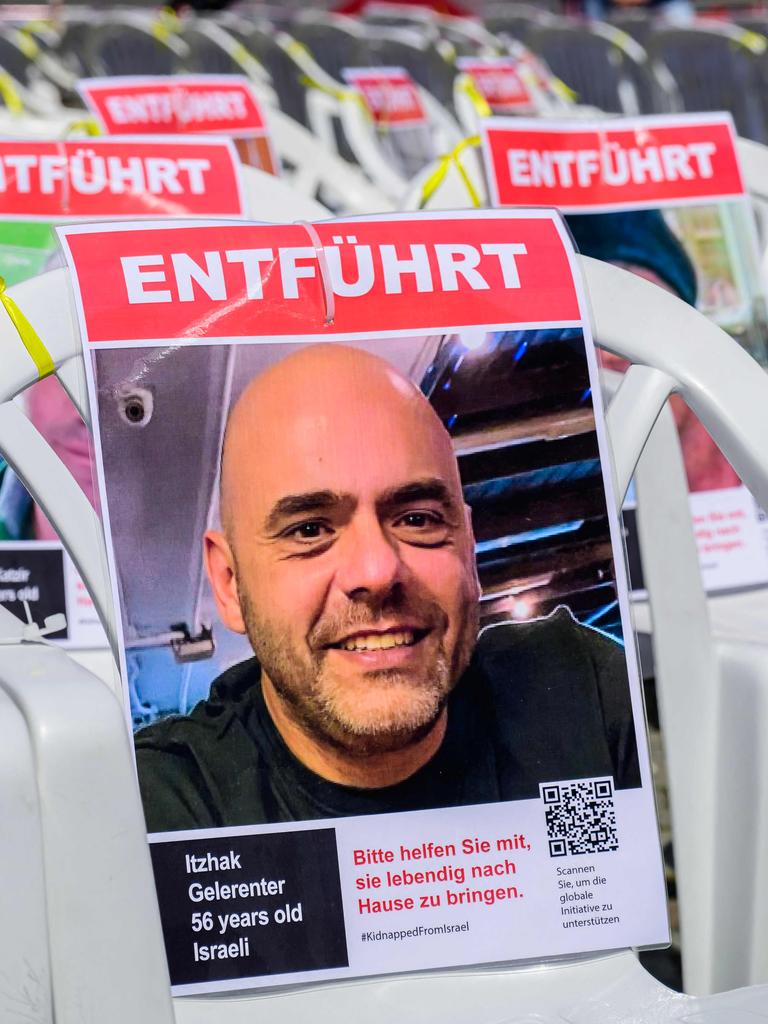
x=370, y=562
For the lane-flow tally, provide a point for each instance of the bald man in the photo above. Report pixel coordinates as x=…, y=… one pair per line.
x=346, y=555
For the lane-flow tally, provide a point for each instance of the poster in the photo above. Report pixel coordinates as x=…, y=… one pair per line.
x=502, y=82
x=685, y=165
x=390, y=94
x=399, y=115
x=42, y=182
x=47, y=182
x=440, y=756
x=187, y=104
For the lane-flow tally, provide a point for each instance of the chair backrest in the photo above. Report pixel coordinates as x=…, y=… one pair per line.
x=673, y=348
x=739, y=954
x=418, y=55
x=638, y=24
x=71, y=44
x=14, y=61
x=753, y=160
x=468, y=37
x=215, y=51
x=716, y=67
x=25, y=81
x=590, y=62
x=388, y=158
x=334, y=44
x=656, y=90
x=271, y=48
x=124, y=47
x=516, y=20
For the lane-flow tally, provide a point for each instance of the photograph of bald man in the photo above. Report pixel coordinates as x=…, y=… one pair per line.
x=346, y=556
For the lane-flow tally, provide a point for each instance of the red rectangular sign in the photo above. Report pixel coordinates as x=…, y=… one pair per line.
x=390, y=93
x=119, y=178
x=389, y=274
x=612, y=164
x=499, y=82
x=217, y=104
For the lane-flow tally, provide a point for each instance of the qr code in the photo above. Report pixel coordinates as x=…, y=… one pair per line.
x=580, y=817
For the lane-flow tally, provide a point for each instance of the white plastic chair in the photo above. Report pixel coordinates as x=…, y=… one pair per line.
x=328, y=101
x=25, y=974
x=470, y=111
x=730, y=395
x=323, y=108
x=728, y=672
x=741, y=617
x=753, y=160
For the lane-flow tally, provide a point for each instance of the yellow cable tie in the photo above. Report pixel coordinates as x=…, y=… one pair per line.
x=447, y=51
x=753, y=41
x=160, y=31
x=435, y=180
x=27, y=44
x=10, y=94
x=467, y=85
x=342, y=95
x=166, y=24
x=565, y=92
x=296, y=49
x=89, y=125
x=622, y=39
x=39, y=354
x=301, y=54
x=241, y=55
x=167, y=21
x=473, y=140
x=37, y=25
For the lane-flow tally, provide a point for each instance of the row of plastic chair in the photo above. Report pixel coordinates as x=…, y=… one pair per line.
x=645, y=66
x=698, y=66
x=301, y=72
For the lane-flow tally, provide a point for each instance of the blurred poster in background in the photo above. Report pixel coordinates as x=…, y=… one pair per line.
x=44, y=183
x=225, y=105
x=664, y=198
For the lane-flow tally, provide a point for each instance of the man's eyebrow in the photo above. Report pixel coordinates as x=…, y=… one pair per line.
x=430, y=489
x=300, y=504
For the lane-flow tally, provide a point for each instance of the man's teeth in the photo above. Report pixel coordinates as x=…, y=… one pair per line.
x=377, y=641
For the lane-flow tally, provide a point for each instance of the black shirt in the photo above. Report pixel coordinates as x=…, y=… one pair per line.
x=541, y=701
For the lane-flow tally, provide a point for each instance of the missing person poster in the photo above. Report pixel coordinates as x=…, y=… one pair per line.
x=371, y=594
x=663, y=197
x=400, y=117
x=187, y=104
x=503, y=82
x=47, y=182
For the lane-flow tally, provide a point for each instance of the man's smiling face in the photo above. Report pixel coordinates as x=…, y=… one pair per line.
x=351, y=547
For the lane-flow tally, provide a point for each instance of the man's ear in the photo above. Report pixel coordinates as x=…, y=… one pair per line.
x=220, y=566
x=471, y=553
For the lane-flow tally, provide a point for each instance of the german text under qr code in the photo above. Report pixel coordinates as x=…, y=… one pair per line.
x=580, y=817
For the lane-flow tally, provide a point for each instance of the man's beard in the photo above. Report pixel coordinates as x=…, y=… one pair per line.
x=393, y=708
